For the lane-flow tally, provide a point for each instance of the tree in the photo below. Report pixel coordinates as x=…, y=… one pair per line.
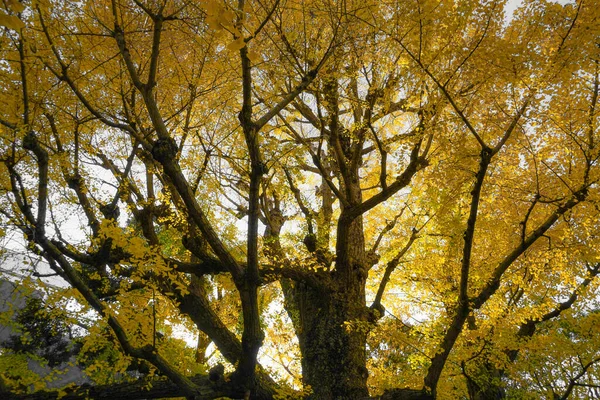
x=415, y=183
x=43, y=333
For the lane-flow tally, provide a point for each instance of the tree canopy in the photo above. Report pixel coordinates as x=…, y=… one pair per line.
x=338, y=199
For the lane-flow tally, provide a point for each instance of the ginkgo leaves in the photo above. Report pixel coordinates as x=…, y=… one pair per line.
x=220, y=18
x=149, y=265
x=236, y=45
x=8, y=18
x=254, y=56
x=11, y=21
x=15, y=5
x=218, y=14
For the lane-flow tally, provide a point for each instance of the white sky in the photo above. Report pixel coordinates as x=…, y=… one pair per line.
x=512, y=5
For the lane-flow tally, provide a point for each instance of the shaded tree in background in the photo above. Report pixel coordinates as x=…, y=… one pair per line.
x=43, y=334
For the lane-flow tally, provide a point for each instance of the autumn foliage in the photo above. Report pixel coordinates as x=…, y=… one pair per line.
x=338, y=199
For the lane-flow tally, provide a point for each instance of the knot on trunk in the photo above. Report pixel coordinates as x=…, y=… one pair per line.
x=74, y=181
x=310, y=241
x=372, y=258
x=216, y=373
x=164, y=149
x=29, y=141
x=377, y=311
x=261, y=168
x=110, y=211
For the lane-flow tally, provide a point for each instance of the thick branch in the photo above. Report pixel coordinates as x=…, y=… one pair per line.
x=455, y=328
x=494, y=283
x=484, y=162
x=252, y=335
x=210, y=387
x=390, y=267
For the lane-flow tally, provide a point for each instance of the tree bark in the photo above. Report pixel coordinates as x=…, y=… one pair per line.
x=210, y=386
x=332, y=325
x=331, y=340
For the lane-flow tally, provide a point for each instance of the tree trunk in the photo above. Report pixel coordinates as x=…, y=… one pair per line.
x=490, y=392
x=331, y=341
x=332, y=326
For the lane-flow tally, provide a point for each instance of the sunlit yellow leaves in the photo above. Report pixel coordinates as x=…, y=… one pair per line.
x=236, y=44
x=220, y=17
x=254, y=56
x=213, y=23
x=11, y=22
x=15, y=5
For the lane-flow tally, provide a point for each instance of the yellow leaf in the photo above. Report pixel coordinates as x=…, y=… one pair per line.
x=213, y=23
x=212, y=7
x=15, y=6
x=227, y=17
x=11, y=22
x=254, y=56
x=236, y=44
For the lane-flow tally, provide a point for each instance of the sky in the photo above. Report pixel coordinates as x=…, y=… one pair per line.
x=512, y=5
